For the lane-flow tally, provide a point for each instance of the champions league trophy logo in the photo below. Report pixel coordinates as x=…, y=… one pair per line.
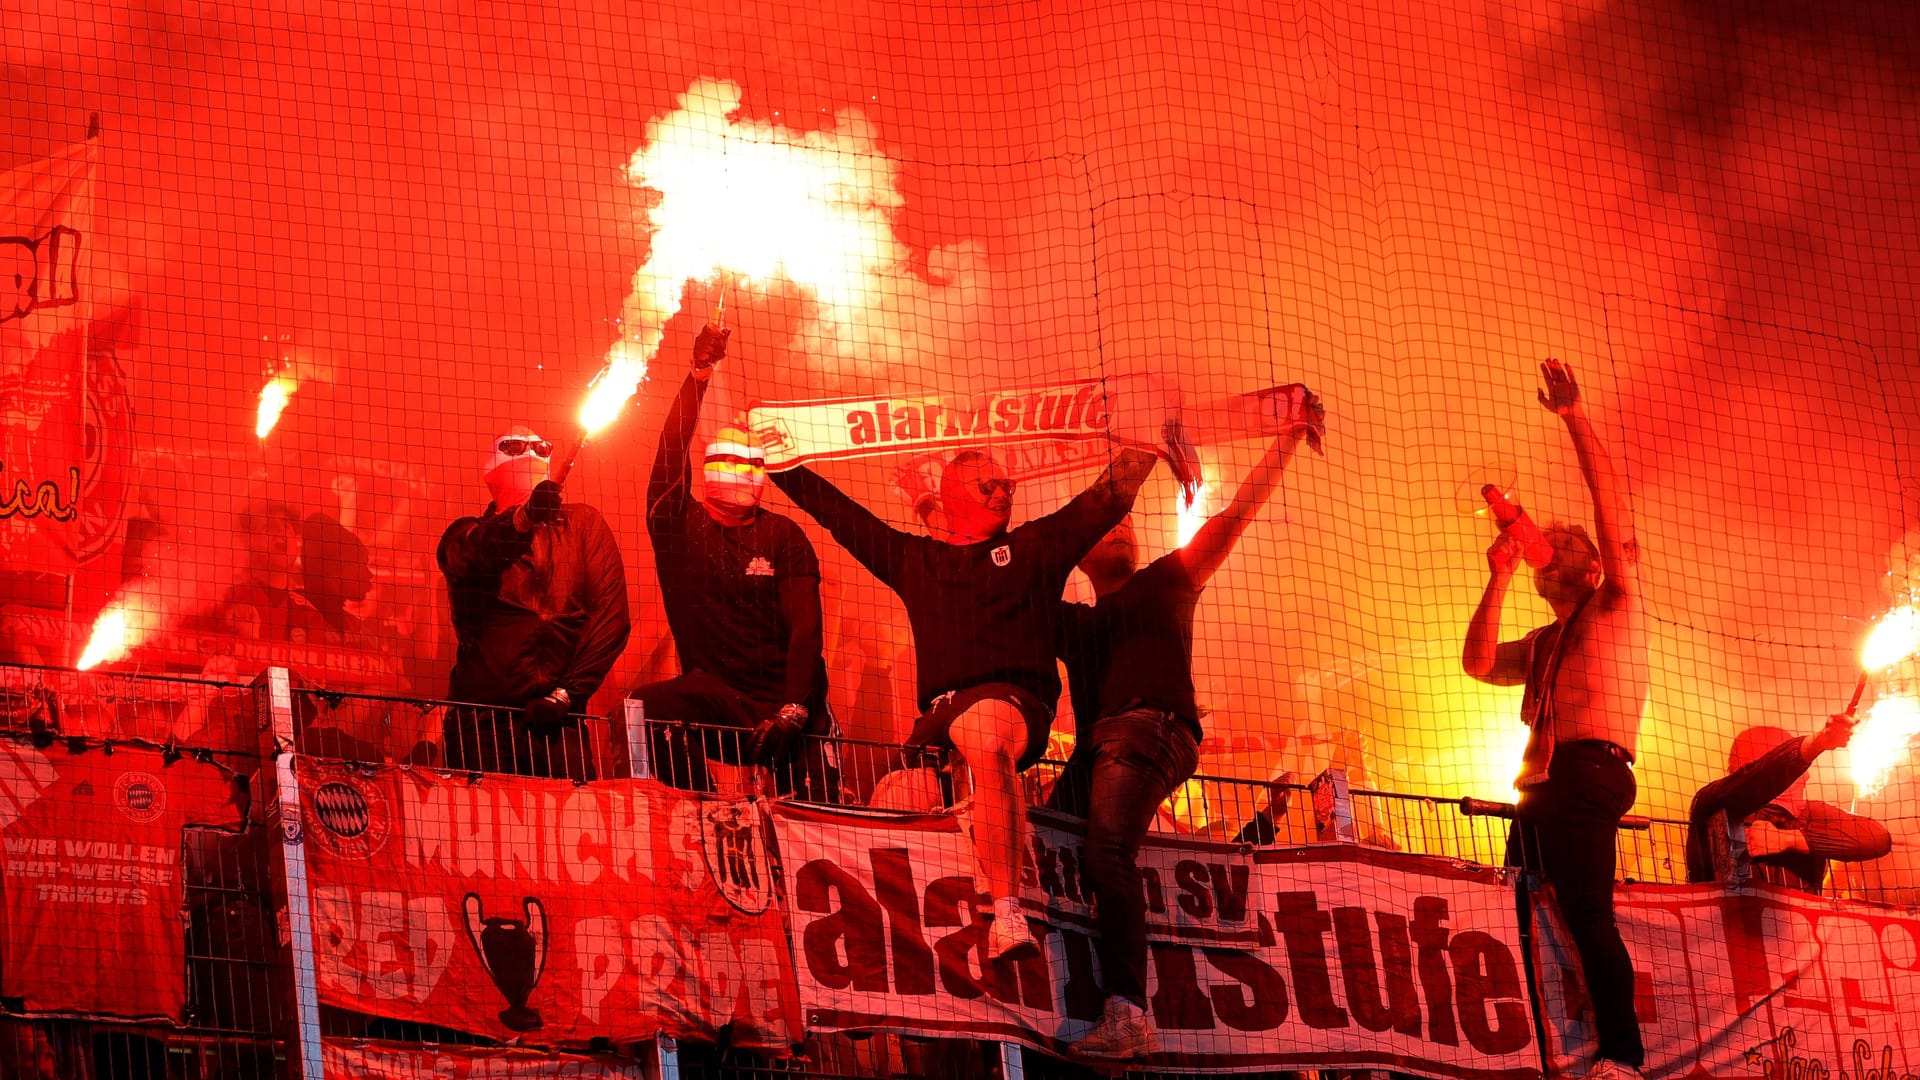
x=514, y=952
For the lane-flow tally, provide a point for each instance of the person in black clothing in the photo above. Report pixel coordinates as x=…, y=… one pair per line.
x=1790, y=838
x=539, y=603
x=982, y=603
x=1130, y=665
x=742, y=591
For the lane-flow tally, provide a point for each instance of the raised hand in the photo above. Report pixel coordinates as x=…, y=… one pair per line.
x=1561, y=395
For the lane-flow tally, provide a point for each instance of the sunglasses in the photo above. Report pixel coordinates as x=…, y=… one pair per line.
x=989, y=486
x=539, y=448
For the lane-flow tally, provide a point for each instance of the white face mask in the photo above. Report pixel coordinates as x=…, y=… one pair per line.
x=733, y=474
x=518, y=463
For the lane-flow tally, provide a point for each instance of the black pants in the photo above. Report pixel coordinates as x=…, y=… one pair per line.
x=498, y=740
x=1120, y=775
x=725, y=720
x=1566, y=830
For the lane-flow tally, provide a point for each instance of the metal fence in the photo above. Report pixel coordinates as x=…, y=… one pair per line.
x=240, y=1004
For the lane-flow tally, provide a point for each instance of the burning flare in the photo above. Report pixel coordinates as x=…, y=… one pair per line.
x=273, y=401
x=1894, y=638
x=1191, y=513
x=1882, y=741
x=109, y=640
x=759, y=201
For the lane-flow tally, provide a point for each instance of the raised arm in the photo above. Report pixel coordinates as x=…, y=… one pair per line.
x=1209, y=547
x=1093, y=512
x=1612, y=516
x=670, y=485
x=1485, y=656
x=872, y=541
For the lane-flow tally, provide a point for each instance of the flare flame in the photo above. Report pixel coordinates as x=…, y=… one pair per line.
x=744, y=200
x=1882, y=741
x=1894, y=638
x=109, y=640
x=273, y=401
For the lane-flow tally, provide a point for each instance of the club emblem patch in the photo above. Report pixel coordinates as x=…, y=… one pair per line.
x=351, y=815
x=1003, y=555
x=140, y=796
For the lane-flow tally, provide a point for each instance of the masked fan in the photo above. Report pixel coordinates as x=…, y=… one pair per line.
x=539, y=603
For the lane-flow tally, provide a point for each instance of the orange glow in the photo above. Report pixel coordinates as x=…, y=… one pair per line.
x=109, y=639
x=1894, y=638
x=1882, y=741
x=273, y=401
x=1192, y=515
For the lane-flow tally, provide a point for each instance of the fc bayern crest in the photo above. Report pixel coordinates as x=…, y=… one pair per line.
x=351, y=815
x=140, y=796
x=735, y=839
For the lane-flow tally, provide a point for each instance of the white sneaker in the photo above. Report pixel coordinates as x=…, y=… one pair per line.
x=1121, y=1035
x=1010, y=936
x=1609, y=1069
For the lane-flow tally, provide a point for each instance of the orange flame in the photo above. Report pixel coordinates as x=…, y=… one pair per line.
x=1894, y=638
x=1882, y=741
x=108, y=641
x=746, y=200
x=273, y=401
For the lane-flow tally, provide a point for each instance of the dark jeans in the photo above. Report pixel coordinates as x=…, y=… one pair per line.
x=1119, y=777
x=726, y=718
x=498, y=740
x=1566, y=830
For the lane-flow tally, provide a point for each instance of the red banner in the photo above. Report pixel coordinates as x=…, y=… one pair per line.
x=545, y=911
x=1764, y=982
x=93, y=884
x=1312, y=958
x=361, y=1060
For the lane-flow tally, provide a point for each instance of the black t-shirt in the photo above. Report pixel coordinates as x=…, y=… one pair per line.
x=980, y=612
x=1134, y=647
x=722, y=586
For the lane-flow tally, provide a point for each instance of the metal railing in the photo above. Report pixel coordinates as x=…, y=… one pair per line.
x=240, y=1003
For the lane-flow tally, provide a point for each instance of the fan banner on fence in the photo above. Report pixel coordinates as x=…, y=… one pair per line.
x=346, y=1059
x=545, y=911
x=1311, y=958
x=94, y=893
x=65, y=422
x=1133, y=408
x=1759, y=982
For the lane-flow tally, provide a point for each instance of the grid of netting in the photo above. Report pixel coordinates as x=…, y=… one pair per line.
x=952, y=403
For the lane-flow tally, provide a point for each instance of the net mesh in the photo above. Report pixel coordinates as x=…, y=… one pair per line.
x=277, y=282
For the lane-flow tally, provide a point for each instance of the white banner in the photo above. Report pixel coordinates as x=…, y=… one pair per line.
x=1331, y=957
x=1764, y=982
x=1132, y=408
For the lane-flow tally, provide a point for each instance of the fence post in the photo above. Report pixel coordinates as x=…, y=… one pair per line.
x=1333, y=808
x=639, y=758
x=273, y=702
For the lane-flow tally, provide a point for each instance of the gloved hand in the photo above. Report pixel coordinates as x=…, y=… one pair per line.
x=543, y=505
x=709, y=348
x=546, y=714
x=769, y=742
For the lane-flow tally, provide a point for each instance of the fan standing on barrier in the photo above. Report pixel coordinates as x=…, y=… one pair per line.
x=1586, y=685
x=982, y=602
x=539, y=601
x=741, y=586
x=1130, y=664
x=1790, y=838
